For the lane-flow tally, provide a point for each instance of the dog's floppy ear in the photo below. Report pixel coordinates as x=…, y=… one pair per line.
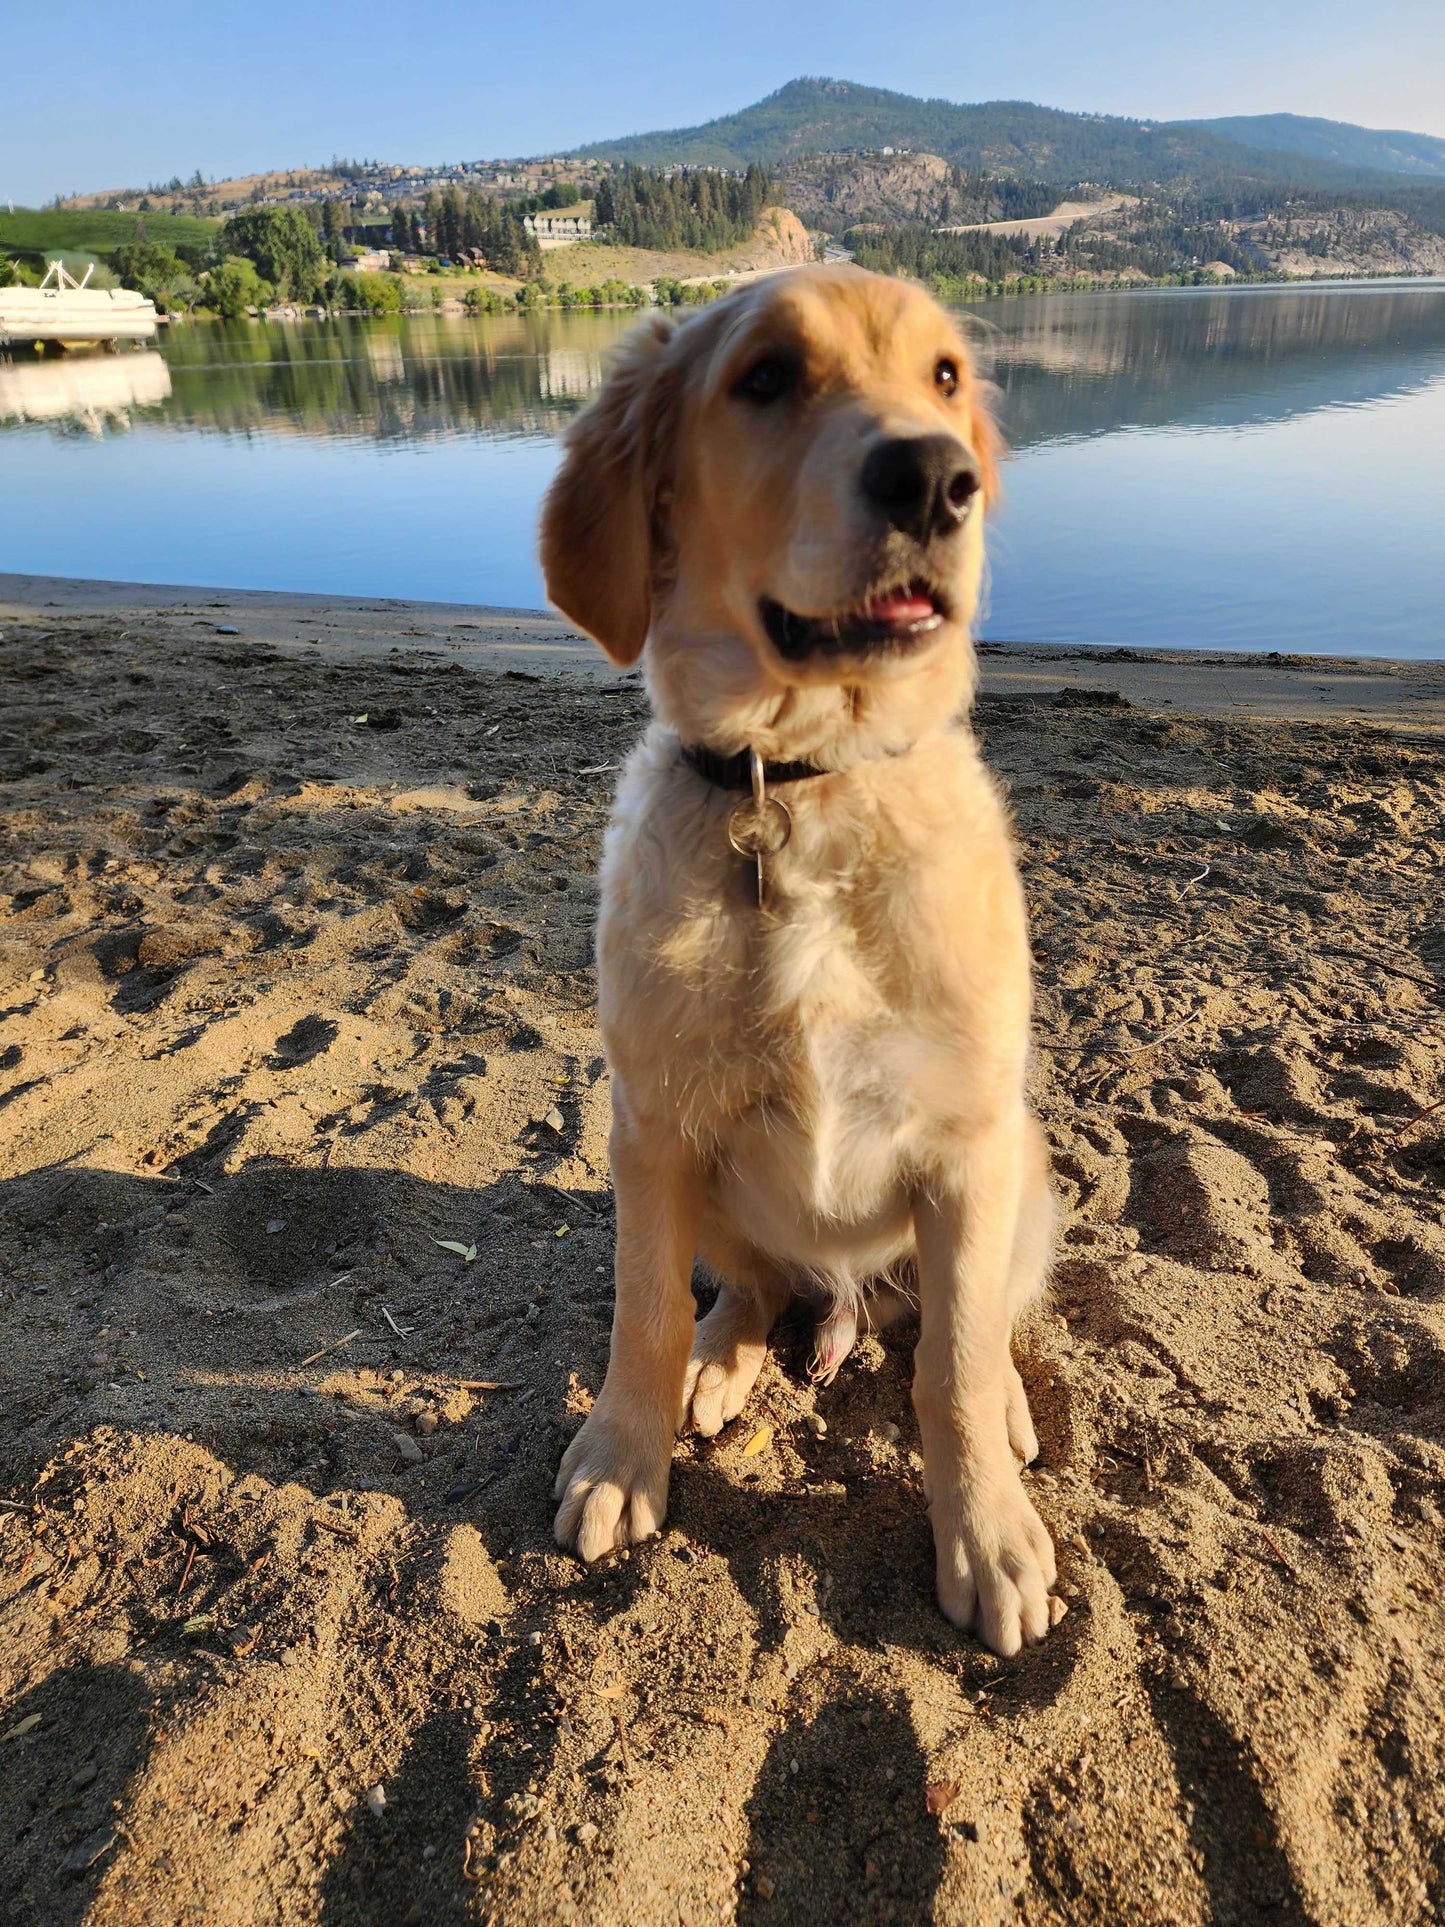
x=985, y=438
x=599, y=533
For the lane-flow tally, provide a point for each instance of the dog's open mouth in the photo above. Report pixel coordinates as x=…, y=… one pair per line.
x=891, y=620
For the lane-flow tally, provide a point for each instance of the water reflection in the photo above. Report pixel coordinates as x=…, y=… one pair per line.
x=1066, y=365
x=88, y=392
x=413, y=378
x=1077, y=365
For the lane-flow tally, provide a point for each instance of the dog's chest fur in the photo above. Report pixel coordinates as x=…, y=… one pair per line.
x=817, y=1054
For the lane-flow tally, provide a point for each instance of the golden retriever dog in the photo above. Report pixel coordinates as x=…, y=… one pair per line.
x=813, y=954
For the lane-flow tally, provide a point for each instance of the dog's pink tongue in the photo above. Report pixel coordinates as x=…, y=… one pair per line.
x=900, y=609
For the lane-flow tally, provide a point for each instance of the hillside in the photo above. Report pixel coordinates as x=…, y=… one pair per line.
x=836, y=191
x=1124, y=239
x=1387, y=151
x=780, y=241
x=221, y=197
x=1015, y=138
x=27, y=230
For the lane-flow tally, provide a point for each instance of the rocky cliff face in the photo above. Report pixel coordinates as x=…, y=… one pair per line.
x=1344, y=240
x=780, y=242
x=838, y=191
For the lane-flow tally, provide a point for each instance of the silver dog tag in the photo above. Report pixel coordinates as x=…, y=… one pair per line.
x=760, y=827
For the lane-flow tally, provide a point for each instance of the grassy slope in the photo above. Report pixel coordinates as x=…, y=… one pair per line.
x=591, y=262
x=96, y=230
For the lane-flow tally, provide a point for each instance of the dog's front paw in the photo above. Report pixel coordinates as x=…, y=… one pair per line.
x=995, y=1568
x=612, y=1483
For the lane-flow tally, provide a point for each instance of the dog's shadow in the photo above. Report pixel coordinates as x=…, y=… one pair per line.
x=838, y=1824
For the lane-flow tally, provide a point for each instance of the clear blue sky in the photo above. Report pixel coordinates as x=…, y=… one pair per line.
x=110, y=93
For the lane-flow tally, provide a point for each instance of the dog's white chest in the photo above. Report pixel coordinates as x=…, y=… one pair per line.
x=811, y=1159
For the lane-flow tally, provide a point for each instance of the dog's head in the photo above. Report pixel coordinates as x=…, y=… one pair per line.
x=786, y=495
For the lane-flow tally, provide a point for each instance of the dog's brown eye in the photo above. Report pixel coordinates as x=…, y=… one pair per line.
x=767, y=379
x=945, y=376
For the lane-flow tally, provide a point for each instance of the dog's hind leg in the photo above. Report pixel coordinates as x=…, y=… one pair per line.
x=1033, y=1253
x=835, y=1337
x=852, y=1309
x=1037, y=1228
x=729, y=1346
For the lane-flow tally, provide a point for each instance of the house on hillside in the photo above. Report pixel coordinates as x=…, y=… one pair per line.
x=556, y=230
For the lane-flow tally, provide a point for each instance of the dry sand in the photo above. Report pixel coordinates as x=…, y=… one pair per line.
x=295, y=977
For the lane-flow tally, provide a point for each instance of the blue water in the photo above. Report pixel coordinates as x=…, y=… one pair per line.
x=1247, y=469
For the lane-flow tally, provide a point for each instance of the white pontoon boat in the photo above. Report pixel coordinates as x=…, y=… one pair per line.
x=69, y=311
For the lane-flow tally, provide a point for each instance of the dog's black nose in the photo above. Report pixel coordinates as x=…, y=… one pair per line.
x=922, y=483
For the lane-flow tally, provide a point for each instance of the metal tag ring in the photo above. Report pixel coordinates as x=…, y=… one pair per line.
x=760, y=827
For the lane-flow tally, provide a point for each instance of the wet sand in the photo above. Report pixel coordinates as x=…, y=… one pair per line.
x=1199, y=683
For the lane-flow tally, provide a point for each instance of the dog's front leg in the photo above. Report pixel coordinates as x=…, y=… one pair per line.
x=613, y=1477
x=995, y=1558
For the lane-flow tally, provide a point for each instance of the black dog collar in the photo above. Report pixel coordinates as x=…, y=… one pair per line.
x=736, y=772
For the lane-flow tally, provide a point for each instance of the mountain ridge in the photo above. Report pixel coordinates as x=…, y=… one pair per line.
x=1390, y=150
x=814, y=114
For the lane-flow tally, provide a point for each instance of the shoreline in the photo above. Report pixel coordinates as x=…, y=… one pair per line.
x=1269, y=686
x=964, y=294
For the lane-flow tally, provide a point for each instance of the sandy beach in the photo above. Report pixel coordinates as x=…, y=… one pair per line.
x=305, y=1239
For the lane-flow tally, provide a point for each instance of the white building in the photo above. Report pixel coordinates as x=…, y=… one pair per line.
x=558, y=230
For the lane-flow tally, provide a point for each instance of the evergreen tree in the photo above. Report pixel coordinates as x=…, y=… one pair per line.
x=431, y=216
x=692, y=208
x=281, y=244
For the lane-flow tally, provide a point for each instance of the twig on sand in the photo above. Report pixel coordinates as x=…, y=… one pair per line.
x=1189, y=885
x=1288, y=1566
x=335, y=1345
x=1124, y=1050
x=1132, y=1050
x=1429, y=1108
x=1391, y=969
x=336, y=1527
x=402, y=1331
x=488, y=1384
x=469, y=1872
x=572, y=1198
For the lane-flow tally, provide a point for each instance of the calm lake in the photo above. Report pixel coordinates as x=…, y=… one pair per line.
x=1259, y=468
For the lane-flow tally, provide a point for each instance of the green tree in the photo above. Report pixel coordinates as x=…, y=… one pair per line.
x=332, y=228
x=234, y=287
x=431, y=218
x=281, y=245
x=371, y=293
x=693, y=208
x=485, y=301
x=150, y=268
